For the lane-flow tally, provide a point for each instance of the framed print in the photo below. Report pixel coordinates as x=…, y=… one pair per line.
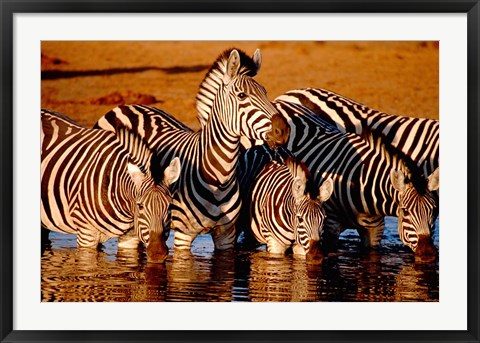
x=155, y=88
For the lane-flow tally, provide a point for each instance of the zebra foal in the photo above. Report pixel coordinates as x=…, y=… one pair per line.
x=208, y=198
x=99, y=185
x=286, y=211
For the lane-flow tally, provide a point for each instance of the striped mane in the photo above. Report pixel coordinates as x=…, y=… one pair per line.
x=139, y=152
x=296, y=167
x=211, y=83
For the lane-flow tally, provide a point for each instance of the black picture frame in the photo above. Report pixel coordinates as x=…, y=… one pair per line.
x=10, y=7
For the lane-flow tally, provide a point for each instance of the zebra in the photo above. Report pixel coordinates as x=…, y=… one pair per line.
x=415, y=137
x=286, y=211
x=207, y=200
x=98, y=185
x=371, y=180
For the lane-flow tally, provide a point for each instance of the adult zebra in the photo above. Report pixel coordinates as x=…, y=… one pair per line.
x=286, y=211
x=371, y=180
x=415, y=137
x=208, y=198
x=99, y=185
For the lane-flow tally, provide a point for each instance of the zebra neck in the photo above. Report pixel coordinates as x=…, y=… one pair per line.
x=219, y=152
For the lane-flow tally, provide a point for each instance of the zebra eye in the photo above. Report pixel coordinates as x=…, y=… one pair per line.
x=405, y=212
x=140, y=206
x=241, y=95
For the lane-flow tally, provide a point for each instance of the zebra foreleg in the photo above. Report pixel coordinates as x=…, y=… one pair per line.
x=88, y=239
x=331, y=234
x=129, y=240
x=224, y=237
x=46, y=243
x=183, y=241
x=371, y=230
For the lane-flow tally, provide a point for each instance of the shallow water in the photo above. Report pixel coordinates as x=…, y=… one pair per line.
x=387, y=274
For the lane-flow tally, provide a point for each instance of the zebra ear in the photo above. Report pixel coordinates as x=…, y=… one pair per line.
x=136, y=174
x=326, y=190
x=398, y=180
x=434, y=180
x=257, y=59
x=298, y=188
x=172, y=172
x=233, y=65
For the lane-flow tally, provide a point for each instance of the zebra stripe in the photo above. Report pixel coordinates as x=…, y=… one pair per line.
x=208, y=198
x=414, y=137
x=284, y=211
x=98, y=185
x=362, y=169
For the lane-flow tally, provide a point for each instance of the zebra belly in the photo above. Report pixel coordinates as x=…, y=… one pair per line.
x=194, y=222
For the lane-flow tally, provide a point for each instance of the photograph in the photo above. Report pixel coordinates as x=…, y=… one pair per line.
x=237, y=172
x=240, y=171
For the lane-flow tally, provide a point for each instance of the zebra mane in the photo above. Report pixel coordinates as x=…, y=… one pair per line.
x=211, y=83
x=139, y=153
x=295, y=166
x=416, y=175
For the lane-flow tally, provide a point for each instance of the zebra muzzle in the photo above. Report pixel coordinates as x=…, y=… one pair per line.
x=157, y=250
x=279, y=133
x=315, y=254
x=425, y=251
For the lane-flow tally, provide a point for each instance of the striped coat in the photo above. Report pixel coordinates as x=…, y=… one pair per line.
x=99, y=185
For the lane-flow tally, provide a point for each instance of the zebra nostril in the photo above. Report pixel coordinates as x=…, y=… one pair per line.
x=280, y=131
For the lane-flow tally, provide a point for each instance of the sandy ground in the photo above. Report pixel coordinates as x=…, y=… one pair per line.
x=85, y=79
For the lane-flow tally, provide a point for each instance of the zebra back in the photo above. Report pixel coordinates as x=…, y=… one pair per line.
x=414, y=137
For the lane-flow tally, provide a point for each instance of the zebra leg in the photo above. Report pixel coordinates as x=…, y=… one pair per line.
x=129, y=240
x=183, y=241
x=223, y=237
x=46, y=243
x=44, y=236
x=371, y=230
x=331, y=234
x=275, y=247
x=87, y=238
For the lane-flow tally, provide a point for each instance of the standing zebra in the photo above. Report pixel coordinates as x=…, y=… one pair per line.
x=415, y=137
x=285, y=212
x=371, y=180
x=98, y=185
x=208, y=198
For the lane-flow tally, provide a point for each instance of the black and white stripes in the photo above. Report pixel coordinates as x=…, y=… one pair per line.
x=208, y=198
x=284, y=211
x=417, y=138
x=361, y=168
x=98, y=185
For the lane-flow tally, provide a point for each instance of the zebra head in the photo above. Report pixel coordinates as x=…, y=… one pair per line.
x=417, y=212
x=241, y=103
x=309, y=212
x=152, y=209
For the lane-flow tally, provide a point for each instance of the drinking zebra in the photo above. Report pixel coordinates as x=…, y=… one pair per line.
x=415, y=137
x=99, y=185
x=286, y=211
x=371, y=180
x=208, y=198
